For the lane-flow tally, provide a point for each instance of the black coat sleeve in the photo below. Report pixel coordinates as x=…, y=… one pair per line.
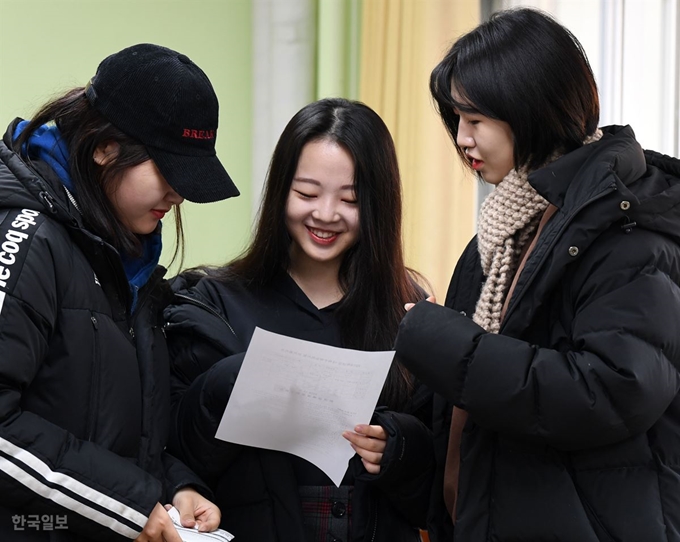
x=196, y=415
x=205, y=357
x=179, y=476
x=407, y=467
x=198, y=335
x=615, y=379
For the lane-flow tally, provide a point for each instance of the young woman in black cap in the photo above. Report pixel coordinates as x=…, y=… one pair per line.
x=562, y=353
x=84, y=395
x=325, y=265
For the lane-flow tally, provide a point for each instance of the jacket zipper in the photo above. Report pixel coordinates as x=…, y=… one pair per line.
x=375, y=523
x=73, y=200
x=141, y=301
x=53, y=205
x=611, y=188
x=121, y=286
x=206, y=307
x=49, y=201
x=94, y=394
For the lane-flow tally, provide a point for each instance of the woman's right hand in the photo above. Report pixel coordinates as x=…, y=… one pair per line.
x=409, y=306
x=159, y=527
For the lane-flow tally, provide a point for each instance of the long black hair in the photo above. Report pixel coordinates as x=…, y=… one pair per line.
x=84, y=129
x=524, y=68
x=372, y=275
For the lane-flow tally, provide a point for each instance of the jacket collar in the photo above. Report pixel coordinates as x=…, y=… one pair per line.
x=33, y=184
x=617, y=151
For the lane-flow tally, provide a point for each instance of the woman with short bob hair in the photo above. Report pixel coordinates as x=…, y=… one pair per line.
x=84, y=368
x=537, y=79
x=325, y=265
x=554, y=346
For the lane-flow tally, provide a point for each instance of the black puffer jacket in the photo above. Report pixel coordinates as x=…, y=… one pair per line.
x=257, y=489
x=84, y=390
x=574, y=415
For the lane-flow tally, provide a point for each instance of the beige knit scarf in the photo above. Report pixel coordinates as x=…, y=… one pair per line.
x=508, y=219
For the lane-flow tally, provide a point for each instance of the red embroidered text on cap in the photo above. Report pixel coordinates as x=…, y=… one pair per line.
x=198, y=134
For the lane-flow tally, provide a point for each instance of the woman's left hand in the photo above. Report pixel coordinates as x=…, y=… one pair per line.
x=369, y=442
x=195, y=510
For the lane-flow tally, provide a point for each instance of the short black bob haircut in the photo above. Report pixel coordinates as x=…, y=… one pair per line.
x=524, y=68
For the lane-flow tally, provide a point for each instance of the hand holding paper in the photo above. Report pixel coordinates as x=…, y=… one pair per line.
x=299, y=397
x=194, y=535
x=369, y=441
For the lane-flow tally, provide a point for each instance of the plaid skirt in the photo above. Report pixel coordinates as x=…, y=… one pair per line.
x=327, y=513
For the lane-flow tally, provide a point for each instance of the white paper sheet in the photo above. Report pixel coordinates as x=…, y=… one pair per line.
x=297, y=396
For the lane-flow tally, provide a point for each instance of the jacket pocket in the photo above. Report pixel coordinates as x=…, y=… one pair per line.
x=600, y=530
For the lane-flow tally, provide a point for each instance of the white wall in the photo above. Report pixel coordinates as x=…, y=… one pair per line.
x=283, y=75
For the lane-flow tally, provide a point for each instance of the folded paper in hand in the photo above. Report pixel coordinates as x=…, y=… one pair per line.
x=194, y=535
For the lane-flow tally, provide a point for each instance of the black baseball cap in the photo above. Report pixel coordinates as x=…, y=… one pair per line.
x=166, y=102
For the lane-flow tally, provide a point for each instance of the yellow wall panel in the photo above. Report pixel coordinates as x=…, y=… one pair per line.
x=402, y=41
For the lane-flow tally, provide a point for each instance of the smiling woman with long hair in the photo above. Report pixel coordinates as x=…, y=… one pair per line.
x=325, y=265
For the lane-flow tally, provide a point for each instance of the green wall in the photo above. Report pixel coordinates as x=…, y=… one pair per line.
x=49, y=46
x=338, y=48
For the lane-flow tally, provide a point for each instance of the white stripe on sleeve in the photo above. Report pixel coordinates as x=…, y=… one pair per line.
x=73, y=485
x=2, y=300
